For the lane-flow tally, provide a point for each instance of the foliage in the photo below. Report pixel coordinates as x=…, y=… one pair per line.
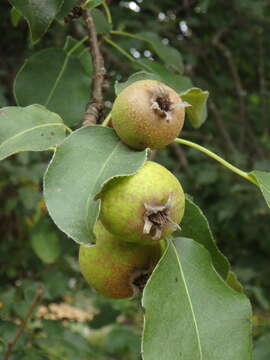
x=196, y=335
x=96, y=155
x=218, y=46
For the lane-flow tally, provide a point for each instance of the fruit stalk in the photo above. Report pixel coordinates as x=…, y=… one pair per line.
x=216, y=157
x=107, y=119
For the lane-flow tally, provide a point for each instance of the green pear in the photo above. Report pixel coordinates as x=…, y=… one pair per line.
x=148, y=113
x=117, y=269
x=145, y=207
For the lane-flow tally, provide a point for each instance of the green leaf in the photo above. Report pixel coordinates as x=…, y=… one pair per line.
x=53, y=328
x=15, y=16
x=21, y=308
x=195, y=225
x=261, y=348
x=7, y=331
x=141, y=75
x=169, y=55
x=87, y=159
x=260, y=297
x=31, y=354
x=177, y=82
x=38, y=14
x=81, y=52
x=234, y=282
x=45, y=244
x=32, y=128
x=197, y=112
x=102, y=25
x=55, y=79
x=3, y=99
x=7, y=298
x=91, y=4
x=187, y=303
x=68, y=5
x=79, y=344
x=29, y=288
x=29, y=197
x=122, y=340
x=56, y=283
x=263, y=181
x=70, y=42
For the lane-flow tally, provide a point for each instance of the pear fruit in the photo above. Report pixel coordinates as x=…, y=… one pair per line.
x=145, y=207
x=115, y=268
x=148, y=113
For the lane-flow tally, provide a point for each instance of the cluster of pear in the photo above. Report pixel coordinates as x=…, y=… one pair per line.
x=137, y=212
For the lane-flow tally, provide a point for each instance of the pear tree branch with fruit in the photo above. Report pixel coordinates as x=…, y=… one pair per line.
x=139, y=235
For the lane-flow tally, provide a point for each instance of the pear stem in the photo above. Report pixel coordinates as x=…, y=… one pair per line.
x=107, y=119
x=216, y=157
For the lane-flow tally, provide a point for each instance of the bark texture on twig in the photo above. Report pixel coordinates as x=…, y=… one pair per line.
x=95, y=106
x=23, y=324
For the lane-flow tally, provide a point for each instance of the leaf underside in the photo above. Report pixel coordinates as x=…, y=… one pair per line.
x=87, y=159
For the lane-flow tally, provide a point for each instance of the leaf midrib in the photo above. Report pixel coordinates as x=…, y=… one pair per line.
x=57, y=80
x=90, y=197
x=28, y=130
x=190, y=302
x=63, y=68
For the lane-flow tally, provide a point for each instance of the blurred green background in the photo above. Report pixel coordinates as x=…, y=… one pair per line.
x=225, y=48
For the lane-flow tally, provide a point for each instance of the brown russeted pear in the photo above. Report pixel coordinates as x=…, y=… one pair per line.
x=115, y=268
x=148, y=113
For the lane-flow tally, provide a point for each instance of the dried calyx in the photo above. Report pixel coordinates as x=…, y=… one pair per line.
x=150, y=202
x=162, y=104
x=139, y=280
x=156, y=217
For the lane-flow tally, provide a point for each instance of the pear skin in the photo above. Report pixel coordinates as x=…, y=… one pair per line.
x=148, y=113
x=116, y=269
x=144, y=207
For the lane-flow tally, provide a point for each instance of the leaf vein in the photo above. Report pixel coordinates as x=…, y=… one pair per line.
x=57, y=80
x=90, y=197
x=190, y=303
x=28, y=130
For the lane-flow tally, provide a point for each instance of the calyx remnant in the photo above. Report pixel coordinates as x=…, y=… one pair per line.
x=162, y=104
x=115, y=268
x=156, y=217
x=143, y=207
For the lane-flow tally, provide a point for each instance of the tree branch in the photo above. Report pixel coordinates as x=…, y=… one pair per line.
x=240, y=92
x=95, y=106
x=23, y=324
x=199, y=49
x=262, y=82
x=221, y=126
